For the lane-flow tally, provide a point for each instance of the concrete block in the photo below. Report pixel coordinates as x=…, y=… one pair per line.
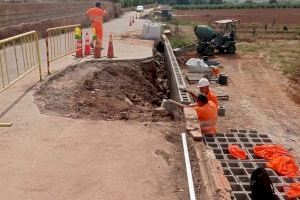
x=197, y=135
x=263, y=136
x=189, y=113
x=232, y=130
x=276, y=179
x=241, y=196
x=244, y=139
x=260, y=164
x=246, y=187
x=191, y=126
x=220, y=135
x=242, y=131
x=267, y=140
x=220, y=156
x=243, y=179
x=241, y=135
x=253, y=131
x=249, y=171
x=221, y=111
x=213, y=145
x=221, y=139
x=231, y=140
x=210, y=139
x=248, y=165
x=217, y=151
x=233, y=165
x=229, y=135
x=248, y=145
x=235, y=187
x=231, y=179
x=238, y=171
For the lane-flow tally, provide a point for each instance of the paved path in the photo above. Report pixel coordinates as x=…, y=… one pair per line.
x=47, y=157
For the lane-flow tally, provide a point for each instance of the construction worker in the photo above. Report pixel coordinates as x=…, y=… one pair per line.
x=95, y=16
x=207, y=114
x=203, y=86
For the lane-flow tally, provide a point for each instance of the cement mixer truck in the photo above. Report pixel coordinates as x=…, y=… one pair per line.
x=210, y=40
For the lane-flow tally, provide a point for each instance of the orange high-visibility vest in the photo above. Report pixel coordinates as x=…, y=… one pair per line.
x=96, y=17
x=212, y=97
x=207, y=116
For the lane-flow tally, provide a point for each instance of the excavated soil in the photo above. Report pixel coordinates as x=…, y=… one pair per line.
x=107, y=91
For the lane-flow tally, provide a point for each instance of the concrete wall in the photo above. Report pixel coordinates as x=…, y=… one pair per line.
x=174, y=74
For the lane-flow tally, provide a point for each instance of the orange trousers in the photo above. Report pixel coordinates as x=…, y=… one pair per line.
x=99, y=31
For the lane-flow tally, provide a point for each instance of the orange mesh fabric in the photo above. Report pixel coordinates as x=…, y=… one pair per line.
x=284, y=165
x=293, y=191
x=237, y=152
x=267, y=151
x=279, y=159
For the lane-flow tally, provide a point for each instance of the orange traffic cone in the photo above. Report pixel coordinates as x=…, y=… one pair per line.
x=97, y=50
x=110, y=50
x=79, y=53
x=87, y=47
x=130, y=24
x=133, y=20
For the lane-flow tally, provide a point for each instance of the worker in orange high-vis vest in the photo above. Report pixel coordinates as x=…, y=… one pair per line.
x=207, y=114
x=203, y=86
x=95, y=16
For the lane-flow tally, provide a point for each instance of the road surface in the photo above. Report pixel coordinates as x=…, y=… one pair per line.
x=48, y=157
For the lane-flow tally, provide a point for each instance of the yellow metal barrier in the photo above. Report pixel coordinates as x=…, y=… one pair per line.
x=19, y=55
x=60, y=41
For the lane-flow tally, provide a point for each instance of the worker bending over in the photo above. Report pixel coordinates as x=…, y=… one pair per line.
x=207, y=114
x=95, y=16
x=203, y=86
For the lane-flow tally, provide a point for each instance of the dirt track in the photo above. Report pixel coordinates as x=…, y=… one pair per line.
x=281, y=16
x=260, y=98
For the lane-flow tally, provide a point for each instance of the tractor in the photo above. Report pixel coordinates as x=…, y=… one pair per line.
x=223, y=40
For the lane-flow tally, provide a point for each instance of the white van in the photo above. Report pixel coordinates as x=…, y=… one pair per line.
x=140, y=9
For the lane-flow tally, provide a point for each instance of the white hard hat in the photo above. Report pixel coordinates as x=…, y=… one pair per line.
x=203, y=82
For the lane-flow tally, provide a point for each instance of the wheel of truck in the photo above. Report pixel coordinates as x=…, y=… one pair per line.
x=199, y=50
x=208, y=51
x=231, y=49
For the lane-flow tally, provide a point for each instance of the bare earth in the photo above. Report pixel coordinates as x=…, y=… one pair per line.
x=281, y=16
x=260, y=98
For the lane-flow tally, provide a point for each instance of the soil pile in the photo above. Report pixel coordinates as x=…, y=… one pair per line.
x=107, y=91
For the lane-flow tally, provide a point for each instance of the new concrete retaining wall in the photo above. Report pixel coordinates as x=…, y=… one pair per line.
x=174, y=73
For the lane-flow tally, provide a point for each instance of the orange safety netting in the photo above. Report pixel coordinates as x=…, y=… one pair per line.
x=284, y=165
x=237, y=152
x=279, y=159
x=293, y=191
x=267, y=151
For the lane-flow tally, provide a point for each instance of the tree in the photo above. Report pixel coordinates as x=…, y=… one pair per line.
x=273, y=1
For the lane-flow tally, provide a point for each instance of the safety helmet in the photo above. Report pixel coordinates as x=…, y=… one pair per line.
x=203, y=82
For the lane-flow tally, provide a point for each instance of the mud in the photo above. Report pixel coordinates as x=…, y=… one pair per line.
x=107, y=91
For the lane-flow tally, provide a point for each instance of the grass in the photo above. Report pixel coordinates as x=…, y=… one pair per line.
x=181, y=41
x=282, y=53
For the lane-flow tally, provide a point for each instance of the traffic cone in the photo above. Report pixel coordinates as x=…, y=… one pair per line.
x=87, y=47
x=133, y=20
x=79, y=53
x=97, y=50
x=130, y=24
x=110, y=50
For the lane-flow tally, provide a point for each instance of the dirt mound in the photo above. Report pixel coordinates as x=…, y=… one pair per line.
x=107, y=91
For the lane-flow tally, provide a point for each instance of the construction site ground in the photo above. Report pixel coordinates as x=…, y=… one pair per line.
x=260, y=97
x=52, y=157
